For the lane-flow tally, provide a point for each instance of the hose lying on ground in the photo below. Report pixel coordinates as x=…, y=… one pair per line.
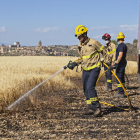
x=121, y=85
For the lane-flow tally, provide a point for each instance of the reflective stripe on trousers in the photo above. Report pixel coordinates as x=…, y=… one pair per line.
x=119, y=85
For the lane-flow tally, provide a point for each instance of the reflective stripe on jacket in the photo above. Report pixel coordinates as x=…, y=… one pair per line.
x=89, y=52
x=109, y=53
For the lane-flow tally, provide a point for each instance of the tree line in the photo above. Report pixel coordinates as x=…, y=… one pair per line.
x=135, y=41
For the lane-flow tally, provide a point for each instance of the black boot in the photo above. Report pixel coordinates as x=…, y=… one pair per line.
x=97, y=109
x=89, y=110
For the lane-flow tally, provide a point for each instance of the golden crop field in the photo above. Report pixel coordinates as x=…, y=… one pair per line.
x=20, y=74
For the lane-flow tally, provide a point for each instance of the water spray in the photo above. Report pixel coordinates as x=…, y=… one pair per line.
x=26, y=94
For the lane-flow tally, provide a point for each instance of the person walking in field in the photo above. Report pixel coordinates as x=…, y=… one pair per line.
x=109, y=54
x=120, y=63
x=89, y=50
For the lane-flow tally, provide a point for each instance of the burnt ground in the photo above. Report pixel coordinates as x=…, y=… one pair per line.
x=59, y=116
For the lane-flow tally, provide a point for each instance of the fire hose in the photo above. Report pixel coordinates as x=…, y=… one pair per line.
x=120, y=84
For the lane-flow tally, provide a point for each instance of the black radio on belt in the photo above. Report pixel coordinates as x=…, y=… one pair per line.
x=79, y=48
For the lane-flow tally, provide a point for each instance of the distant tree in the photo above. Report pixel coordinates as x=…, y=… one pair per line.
x=128, y=43
x=115, y=42
x=135, y=41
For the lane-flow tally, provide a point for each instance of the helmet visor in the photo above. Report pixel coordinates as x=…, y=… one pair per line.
x=77, y=35
x=104, y=37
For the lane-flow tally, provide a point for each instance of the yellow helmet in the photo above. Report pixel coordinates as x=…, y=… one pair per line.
x=79, y=30
x=120, y=35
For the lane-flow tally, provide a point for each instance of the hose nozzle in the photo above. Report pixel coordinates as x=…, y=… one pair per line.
x=65, y=67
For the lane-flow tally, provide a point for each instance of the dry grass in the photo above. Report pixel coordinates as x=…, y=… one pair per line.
x=20, y=74
x=131, y=67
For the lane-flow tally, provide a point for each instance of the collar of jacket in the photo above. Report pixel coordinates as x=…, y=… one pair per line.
x=85, y=42
x=108, y=45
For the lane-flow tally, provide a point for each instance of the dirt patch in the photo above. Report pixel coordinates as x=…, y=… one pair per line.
x=59, y=115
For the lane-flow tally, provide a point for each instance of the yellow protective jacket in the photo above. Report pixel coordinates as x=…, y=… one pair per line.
x=109, y=53
x=89, y=54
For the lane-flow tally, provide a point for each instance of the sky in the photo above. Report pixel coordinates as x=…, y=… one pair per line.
x=54, y=21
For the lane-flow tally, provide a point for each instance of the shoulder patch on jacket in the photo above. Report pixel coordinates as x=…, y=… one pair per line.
x=90, y=45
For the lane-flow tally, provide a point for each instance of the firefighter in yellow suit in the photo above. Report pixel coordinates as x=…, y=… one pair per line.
x=89, y=50
x=109, y=54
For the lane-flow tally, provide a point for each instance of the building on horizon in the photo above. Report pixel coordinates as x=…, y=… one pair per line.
x=16, y=45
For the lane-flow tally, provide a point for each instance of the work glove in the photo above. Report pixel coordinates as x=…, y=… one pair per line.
x=115, y=66
x=71, y=65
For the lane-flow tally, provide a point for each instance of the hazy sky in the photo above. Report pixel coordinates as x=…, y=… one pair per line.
x=54, y=21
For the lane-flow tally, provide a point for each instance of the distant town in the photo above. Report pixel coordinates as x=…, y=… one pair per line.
x=55, y=50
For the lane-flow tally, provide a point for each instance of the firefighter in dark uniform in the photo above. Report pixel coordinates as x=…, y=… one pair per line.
x=120, y=63
x=89, y=50
x=109, y=54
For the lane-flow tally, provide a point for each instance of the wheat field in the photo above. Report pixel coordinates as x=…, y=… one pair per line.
x=20, y=74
